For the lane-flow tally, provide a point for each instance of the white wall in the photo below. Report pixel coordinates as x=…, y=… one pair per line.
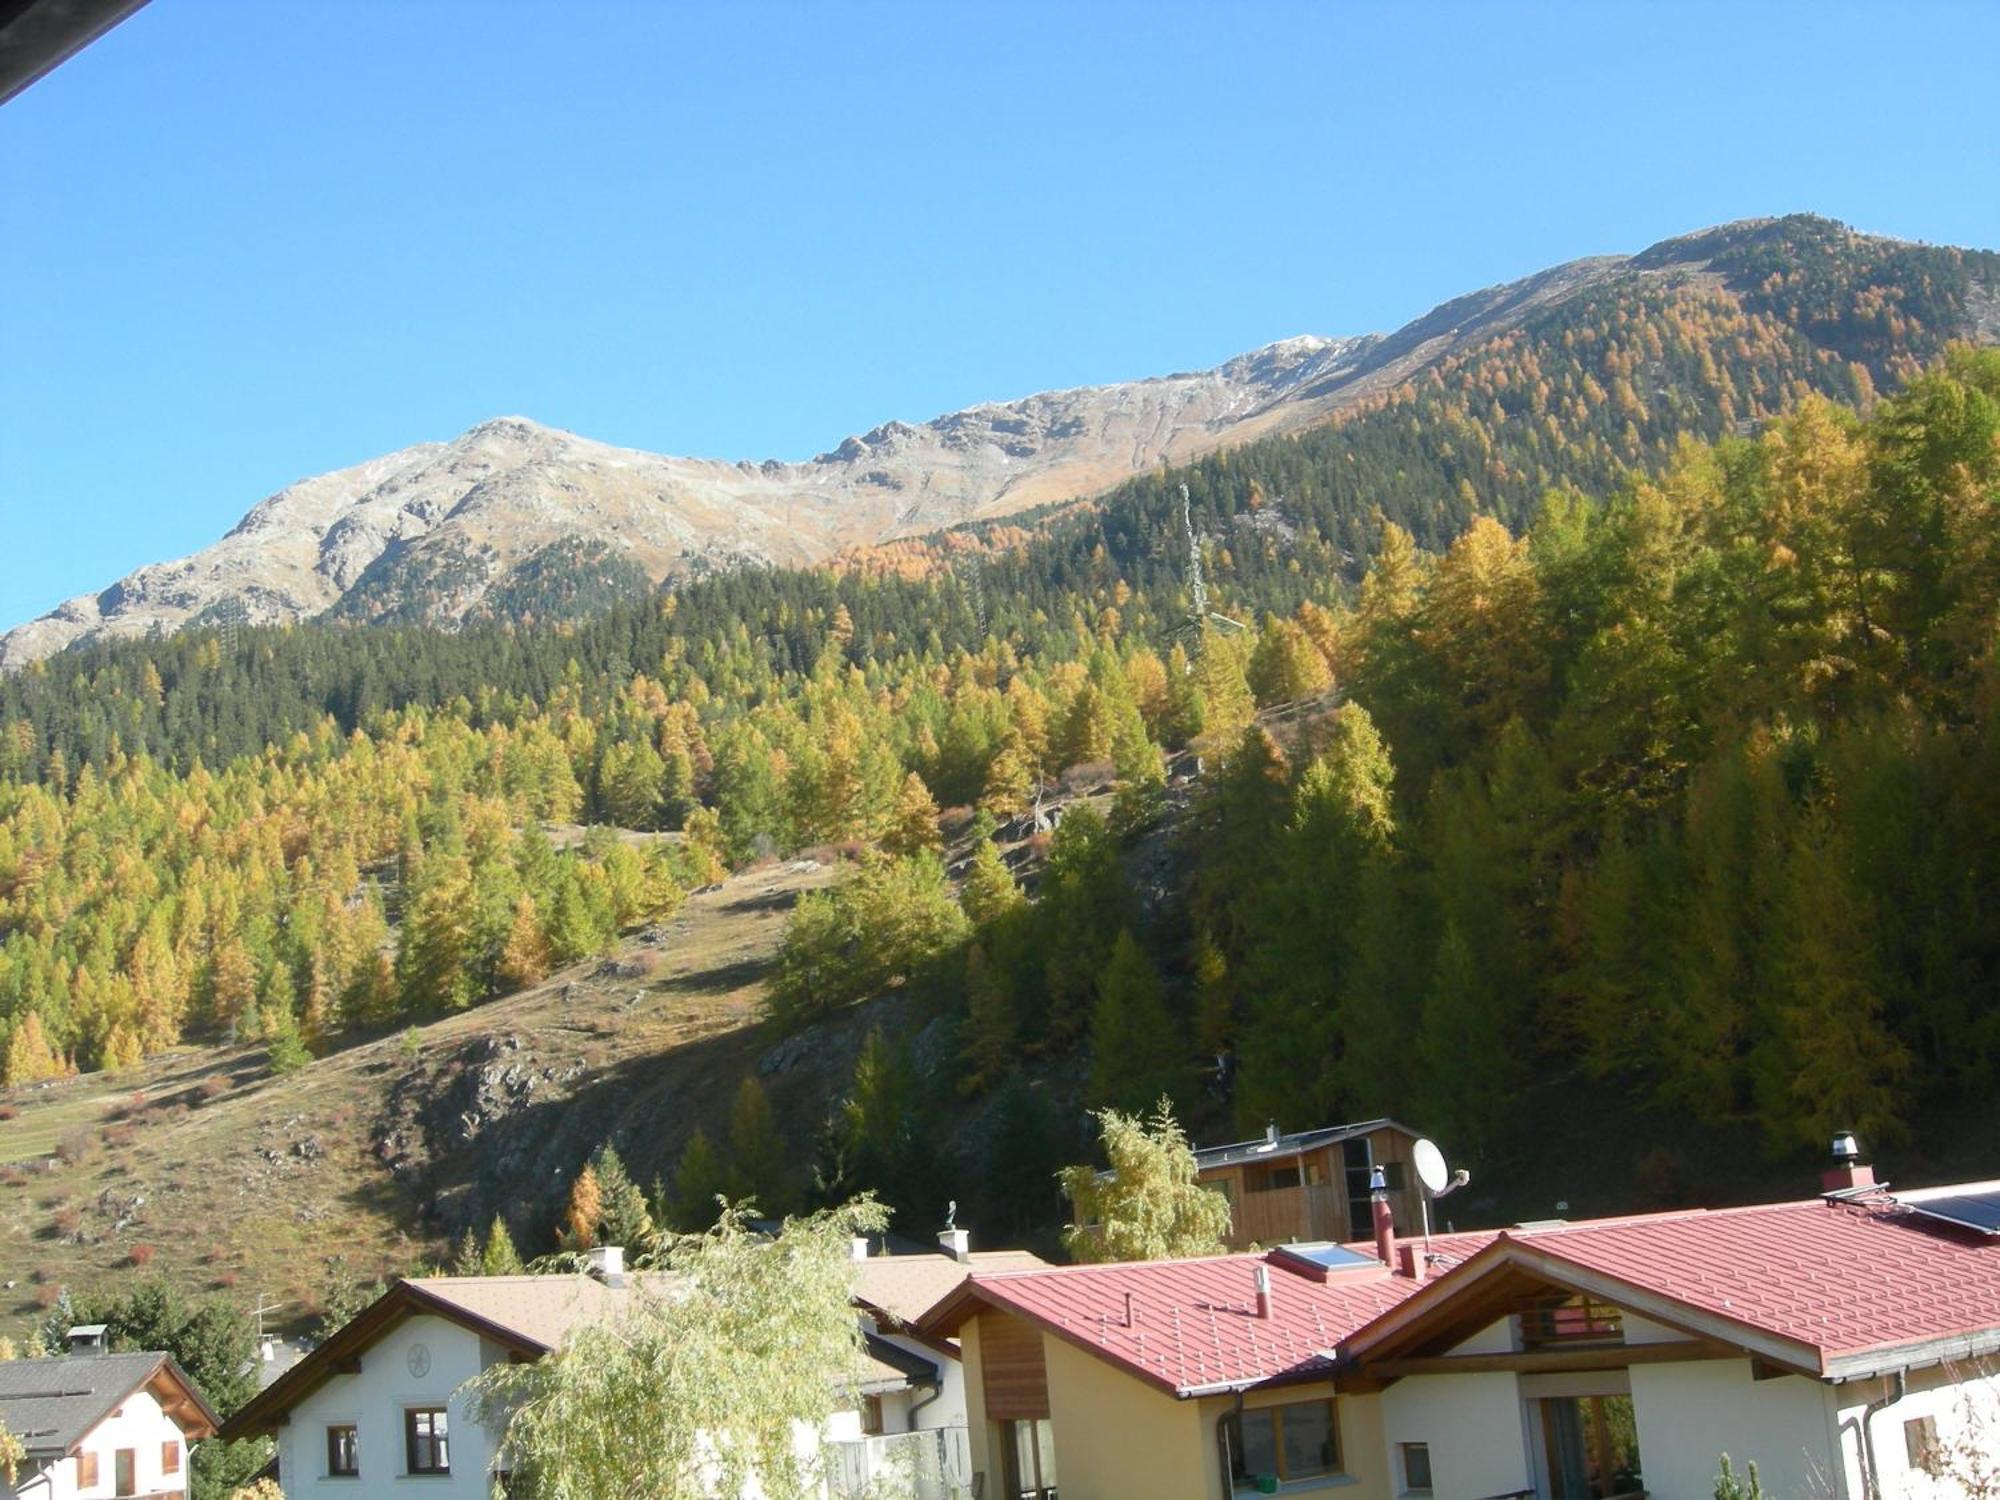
x=1474, y=1425
x=139, y=1424
x=902, y=1411
x=1966, y=1412
x=1690, y=1414
x=374, y=1401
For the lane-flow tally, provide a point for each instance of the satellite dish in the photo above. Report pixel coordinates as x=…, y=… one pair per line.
x=1430, y=1166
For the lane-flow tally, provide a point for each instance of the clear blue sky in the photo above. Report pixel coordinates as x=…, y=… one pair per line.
x=243, y=241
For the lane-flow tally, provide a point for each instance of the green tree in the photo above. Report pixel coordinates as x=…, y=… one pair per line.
x=760, y=1170
x=665, y=1401
x=1149, y=1207
x=1136, y=1048
x=699, y=1182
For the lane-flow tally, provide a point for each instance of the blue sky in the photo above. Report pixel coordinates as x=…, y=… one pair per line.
x=243, y=241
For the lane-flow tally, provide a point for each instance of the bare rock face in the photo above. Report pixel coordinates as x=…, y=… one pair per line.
x=487, y=522
x=428, y=532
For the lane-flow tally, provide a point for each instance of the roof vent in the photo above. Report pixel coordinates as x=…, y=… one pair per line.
x=1263, y=1291
x=1848, y=1174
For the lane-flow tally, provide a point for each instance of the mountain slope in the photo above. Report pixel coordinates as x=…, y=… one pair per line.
x=428, y=532
x=1568, y=376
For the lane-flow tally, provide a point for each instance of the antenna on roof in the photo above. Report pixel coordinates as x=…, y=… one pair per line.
x=1438, y=1180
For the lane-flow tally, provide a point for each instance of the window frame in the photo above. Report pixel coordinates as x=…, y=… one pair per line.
x=86, y=1470
x=353, y=1431
x=1410, y=1485
x=170, y=1456
x=1920, y=1445
x=124, y=1472
x=439, y=1438
x=1232, y=1425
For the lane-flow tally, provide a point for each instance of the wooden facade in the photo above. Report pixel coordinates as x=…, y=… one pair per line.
x=1013, y=1368
x=1304, y=1188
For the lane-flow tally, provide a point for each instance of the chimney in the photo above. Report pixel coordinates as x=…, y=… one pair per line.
x=1410, y=1261
x=957, y=1243
x=1270, y=1132
x=1385, y=1218
x=1263, y=1291
x=857, y=1248
x=607, y=1264
x=1848, y=1173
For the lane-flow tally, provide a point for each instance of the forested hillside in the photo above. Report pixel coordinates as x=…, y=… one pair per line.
x=1662, y=766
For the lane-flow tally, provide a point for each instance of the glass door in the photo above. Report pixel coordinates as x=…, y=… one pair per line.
x=1030, y=1454
x=1590, y=1447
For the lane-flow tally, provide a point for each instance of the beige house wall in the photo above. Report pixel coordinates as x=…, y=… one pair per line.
x=1118, y=1437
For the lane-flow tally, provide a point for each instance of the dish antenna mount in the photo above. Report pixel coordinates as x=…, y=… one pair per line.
x=1438, y=1179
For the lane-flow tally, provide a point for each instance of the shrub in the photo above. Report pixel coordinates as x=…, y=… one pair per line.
x=47, y=1296
x=118, y=1137
x=13, y=1177
x=224, y=1280
x=212, y=1086
x=141, y=1256
x=74, y=1146
x=45, y=1275
x=10, y=1112
x=67, y=1219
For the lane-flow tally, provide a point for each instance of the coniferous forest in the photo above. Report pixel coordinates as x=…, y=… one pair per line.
x=1649, y=753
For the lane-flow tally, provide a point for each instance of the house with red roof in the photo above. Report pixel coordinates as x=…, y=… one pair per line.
x=1848, y=1344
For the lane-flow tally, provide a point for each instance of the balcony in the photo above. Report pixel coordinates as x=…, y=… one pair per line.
x=935, y=1464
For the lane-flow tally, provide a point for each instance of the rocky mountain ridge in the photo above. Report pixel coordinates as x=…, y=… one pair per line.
x=513, y=517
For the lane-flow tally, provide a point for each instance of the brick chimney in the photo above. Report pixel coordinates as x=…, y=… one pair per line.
x=1385, y=1217
x=1848, y=1172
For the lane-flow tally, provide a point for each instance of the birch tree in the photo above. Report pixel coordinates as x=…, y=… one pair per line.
x=707, y=1383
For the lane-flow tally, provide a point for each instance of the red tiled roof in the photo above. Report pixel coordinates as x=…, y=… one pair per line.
x=1840, y=1278
x=1836, y=1284
x=1194, y=1323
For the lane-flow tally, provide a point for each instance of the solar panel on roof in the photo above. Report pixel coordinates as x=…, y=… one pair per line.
x=1980, y=1211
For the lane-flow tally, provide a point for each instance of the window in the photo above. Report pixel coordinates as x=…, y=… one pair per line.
x=1416, y=1468
x=1920, y=1444
x=426, y=1444
x=1357, y=1161
x=170, y=1456
x=1591, y=1447
x=343, y=1452
x=871, y=1415
x=1282, y=1442
x=125, y=1472
x=1273, y=1179
x=86, y=1471
x=1030, y=1459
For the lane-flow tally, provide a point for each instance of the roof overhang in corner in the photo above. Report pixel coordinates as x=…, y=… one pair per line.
x=1500, y=1278
x=39, y=36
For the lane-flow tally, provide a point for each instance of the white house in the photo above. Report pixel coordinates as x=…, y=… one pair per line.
x=100, y=1425
x=1845, y=1344
x=382, y=1400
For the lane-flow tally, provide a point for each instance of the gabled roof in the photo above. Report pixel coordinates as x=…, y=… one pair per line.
x=903, y=1288
x=527, y=1315
x=1263, y=1148
x=51, y=1405
x=1831, y=1288
x=1189, y=1327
